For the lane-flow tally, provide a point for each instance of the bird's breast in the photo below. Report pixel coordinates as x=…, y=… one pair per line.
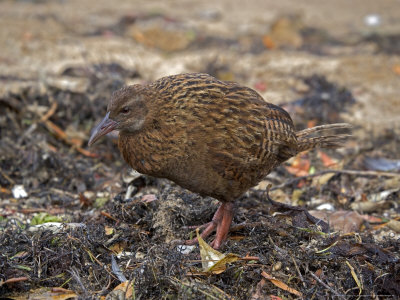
x=153, y=153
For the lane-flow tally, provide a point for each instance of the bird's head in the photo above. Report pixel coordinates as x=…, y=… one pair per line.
x=127, y=112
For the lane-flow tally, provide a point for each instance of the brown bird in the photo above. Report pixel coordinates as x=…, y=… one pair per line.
x=212, y=137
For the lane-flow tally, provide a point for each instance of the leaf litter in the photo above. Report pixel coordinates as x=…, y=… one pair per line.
x=75, y=221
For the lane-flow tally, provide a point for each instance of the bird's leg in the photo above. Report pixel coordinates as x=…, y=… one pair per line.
x=221, y=220
x=224, y=225
x=210, y=226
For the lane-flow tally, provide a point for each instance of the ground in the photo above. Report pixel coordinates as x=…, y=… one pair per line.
x=323, y=61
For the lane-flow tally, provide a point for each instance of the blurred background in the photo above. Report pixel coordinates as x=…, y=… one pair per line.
x=267, y=45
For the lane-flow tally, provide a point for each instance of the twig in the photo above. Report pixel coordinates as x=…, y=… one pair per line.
x=326, y=286
x=51, y=110
x=62, y=192
x=349, y=172
x=13, y=280
x=281, y=284
x=44, y=118
x=247, y=257
x=298, y=271
x=7, y=177
x=58, y=132
x=26, y=133
x=107, y=215
x=75, y=274
x=32, y=210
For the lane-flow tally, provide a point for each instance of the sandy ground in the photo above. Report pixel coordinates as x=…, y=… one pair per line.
x=39, y=39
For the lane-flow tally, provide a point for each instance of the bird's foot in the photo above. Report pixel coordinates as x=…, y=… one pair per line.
x=197, y=226
x=221, y=222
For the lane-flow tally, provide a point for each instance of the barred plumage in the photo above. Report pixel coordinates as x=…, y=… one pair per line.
x=213, y=137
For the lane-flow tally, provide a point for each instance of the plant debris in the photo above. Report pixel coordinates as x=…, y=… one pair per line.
x=78, y=223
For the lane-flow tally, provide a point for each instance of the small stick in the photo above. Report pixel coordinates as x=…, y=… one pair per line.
x=7, y=177
x=298, y=271
x=43, y=119
x=51, y=110
x=58, y=132
x=15, y=279
x=326, y=286
x=247, y=257
x=106, y=214
x=349, y=172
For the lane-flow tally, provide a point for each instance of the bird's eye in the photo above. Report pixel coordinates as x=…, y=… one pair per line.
x=125, y=110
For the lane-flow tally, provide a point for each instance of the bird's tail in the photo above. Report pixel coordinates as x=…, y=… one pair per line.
x=307, y=142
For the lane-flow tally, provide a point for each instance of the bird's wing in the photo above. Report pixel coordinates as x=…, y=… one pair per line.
x=258, y=135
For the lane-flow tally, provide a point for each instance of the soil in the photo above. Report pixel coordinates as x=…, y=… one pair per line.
x=324, y=62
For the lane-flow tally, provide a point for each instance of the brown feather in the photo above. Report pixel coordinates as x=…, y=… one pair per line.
x=212, y=137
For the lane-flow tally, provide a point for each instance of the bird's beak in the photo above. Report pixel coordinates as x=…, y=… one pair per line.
x=105, y=126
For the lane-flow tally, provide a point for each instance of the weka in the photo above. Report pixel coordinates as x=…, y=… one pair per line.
x=212, y=137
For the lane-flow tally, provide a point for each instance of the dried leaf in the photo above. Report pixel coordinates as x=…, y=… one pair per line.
x=118, y=248
x=4, y=190
x=162, y=38
x=284, y=33
x=52, y=293
x=394, y=225
x=326, y=159
x=124, y=289
x=372, y=251
x=372, y=219
x=323, y=179
x=369, y=206
x=342, y=220
x=281, y=285
x=300, y=166
x=258, y=294
x=109, y=230
x=212, y=260
x=311, y=123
